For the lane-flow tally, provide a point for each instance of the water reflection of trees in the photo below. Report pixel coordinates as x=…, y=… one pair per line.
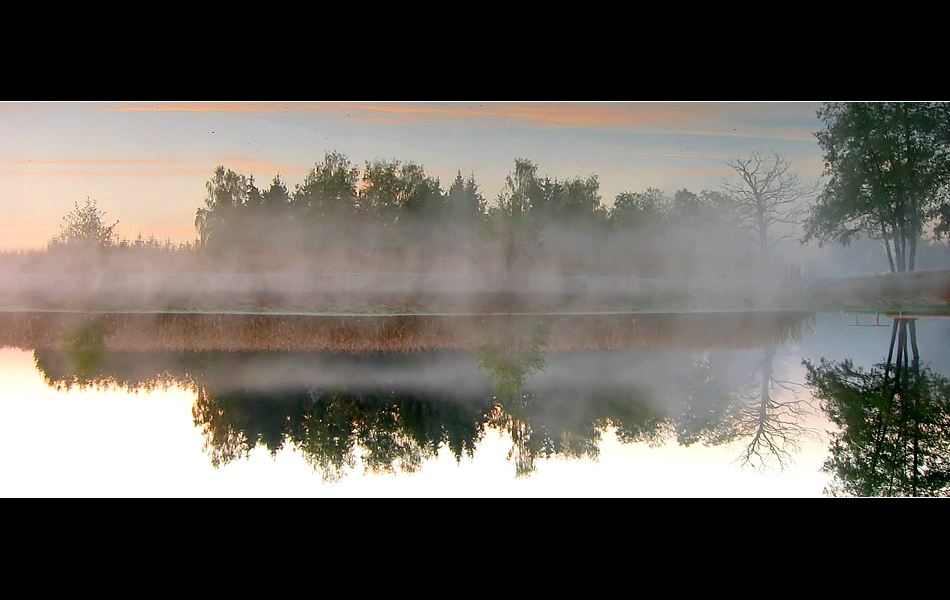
x=388, y=432
x=512, y=357
x=893, y=420
x=567, y=420
x=374, y=417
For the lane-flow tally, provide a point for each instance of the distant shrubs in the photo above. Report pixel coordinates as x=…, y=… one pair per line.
x=85, y=227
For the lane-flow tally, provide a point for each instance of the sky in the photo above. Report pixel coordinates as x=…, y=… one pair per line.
x=146, y=164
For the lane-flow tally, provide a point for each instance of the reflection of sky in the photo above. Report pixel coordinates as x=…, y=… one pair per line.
x=147, y=167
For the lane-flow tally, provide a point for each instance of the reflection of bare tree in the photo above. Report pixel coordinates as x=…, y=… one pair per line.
x=894, y=422
x=771, y=415
x=764, y=413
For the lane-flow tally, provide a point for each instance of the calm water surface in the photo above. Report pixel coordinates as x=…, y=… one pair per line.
x=667, y=409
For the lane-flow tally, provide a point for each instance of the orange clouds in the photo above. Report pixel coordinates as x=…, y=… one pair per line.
x=255, y=166
x=695, y=118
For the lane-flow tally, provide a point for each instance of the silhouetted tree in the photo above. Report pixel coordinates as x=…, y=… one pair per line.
x=466, y=218
x=517, y=233
x=463, y=201
x=640, y=210
x=888, y=167
x=700, y=211
x=276, y=200
x=255, y=199
x=580, y=198
x=767, y=196
x=393, y=190
x=571, y=202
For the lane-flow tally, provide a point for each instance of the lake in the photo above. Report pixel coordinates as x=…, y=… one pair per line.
x=700, y=404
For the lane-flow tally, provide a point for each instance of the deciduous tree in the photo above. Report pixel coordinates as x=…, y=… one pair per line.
x=228, y=194
x=888, y=168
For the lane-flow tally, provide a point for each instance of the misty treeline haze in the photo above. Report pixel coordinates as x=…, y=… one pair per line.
x=884, y=194
x=390, y=215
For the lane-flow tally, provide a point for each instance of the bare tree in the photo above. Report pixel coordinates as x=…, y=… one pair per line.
x=767, y=195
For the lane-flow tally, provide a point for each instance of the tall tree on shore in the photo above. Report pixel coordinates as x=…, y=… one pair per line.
x=888, y=165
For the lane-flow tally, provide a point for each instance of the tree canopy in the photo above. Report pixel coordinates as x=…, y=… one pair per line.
x=888, y=169
x=329, y=189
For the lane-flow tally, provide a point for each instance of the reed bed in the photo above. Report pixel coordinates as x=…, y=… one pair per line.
x=230, y=332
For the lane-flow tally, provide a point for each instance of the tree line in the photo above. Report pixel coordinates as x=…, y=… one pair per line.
x=391, y=206
x=886, y=177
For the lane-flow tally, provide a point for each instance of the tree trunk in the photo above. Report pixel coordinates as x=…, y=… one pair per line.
x=913, y=253
x=887, y=246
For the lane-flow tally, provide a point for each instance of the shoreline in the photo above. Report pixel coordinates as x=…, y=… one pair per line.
x=402, y=294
